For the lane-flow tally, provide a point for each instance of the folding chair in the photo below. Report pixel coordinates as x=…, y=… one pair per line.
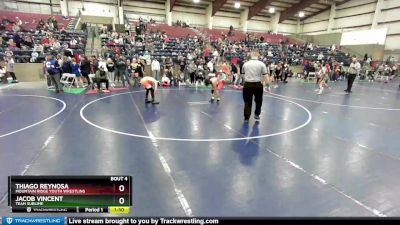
x=311, y=76
x=68, y=80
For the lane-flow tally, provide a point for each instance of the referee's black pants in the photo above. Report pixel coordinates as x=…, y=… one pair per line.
x=251, y=89
x=350, y=81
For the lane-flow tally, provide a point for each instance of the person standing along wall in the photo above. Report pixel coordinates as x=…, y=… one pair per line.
x=10, y=69
x=120, y=69
x=54, y=70
x=85, y=69
x=155, y=68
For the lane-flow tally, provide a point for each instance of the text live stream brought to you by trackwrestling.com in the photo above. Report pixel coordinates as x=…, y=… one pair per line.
x=60, y=220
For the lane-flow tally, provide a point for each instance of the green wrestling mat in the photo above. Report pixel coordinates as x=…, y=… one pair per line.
x=71, y=90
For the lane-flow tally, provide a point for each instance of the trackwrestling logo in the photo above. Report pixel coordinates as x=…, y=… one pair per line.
x=9, y=220
x=33, y=220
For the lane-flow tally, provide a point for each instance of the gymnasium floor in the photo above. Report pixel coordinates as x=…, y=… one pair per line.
x=328, y=155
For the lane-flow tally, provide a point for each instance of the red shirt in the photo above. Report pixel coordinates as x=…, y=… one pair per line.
x=44, y=41
x=206, y=52
x=76, y=56
x=234, y=60
x=328, y=67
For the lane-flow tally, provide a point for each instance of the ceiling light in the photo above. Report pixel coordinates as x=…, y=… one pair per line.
x=271, y=10
x=301, y=14
x=196, y=1
x=237, y=5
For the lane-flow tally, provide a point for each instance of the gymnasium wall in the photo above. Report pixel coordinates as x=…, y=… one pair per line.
x=259, y=23
x=375, y=51
x=288, y=27
x=354, y=15
x=192, y=16
x=226, y=19
x=358, y=15
x=147, y=10
x=107, y=8
x=316, y=24
x=195, y=16
x=33, y=6
x=390, y=18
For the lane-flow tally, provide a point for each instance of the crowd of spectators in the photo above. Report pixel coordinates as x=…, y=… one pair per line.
x=186, y=60
x=21, y=45
x=196, y=56
x=180, y=23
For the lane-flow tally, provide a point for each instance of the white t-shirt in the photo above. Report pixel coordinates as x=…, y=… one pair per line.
x=354, y=68
x=155, y=65
x=104, y=65
x=254, y=70
x=210, y=66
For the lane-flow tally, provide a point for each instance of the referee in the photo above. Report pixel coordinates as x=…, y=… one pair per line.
x=254, y=74
x=354, y=71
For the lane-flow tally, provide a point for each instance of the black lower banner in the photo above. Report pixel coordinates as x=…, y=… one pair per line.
x=221, y=221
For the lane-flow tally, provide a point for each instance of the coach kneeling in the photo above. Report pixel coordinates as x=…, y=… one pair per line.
x=254, y=74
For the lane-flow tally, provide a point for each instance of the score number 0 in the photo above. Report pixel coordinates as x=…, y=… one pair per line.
x=121, y=200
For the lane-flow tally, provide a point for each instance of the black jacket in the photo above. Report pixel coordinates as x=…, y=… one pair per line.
x=85, y=67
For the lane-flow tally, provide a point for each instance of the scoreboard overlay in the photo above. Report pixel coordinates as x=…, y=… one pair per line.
x=90, y=194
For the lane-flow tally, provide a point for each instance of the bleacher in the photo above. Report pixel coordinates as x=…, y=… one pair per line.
x=30, y=23
x=271, y=42
x=216, y=33
x=171, y=31
x=269, y=37
x=31, y=19
x=338, y=56
x=171, y=49
x=23, y=56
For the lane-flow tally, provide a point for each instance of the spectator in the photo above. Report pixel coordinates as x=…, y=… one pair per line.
x=45, y=40
x=28, y=41
x=6, y=21
x=38, y=48
x=141, y=68
x=41, y=24
x=110, y=70
x=68, y=52
x=10, y=69
x=321, y=56
x=66, y=65
x=121, y=67
x=17, y=39
x=192, y=68
x=101, y=77
x=2, y=72
x=73, y=43
x=94, y=64
x=18, y=21
x=155, y=68
x=34, y=57
x=53, y=69
x=215, y=55
x=210, y=66
x=85, y=69
x=368, y=61
x=56, y=45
